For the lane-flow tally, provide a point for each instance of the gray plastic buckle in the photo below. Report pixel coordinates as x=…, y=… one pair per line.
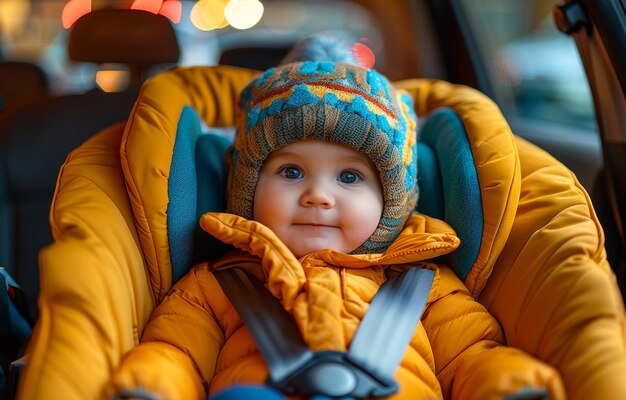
x=334, y=375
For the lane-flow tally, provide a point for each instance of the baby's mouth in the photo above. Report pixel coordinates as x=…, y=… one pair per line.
x=315, y=228
x=313, y=224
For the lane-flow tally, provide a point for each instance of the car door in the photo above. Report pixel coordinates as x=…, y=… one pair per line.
x=599, y=30
x=563, y=93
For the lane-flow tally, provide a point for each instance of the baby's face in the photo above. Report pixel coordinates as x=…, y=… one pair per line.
x=317, y=195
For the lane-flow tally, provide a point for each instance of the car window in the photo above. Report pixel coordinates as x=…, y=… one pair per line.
x=536, y=70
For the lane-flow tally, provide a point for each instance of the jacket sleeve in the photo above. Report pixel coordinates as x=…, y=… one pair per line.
x=178, y=351
x=471, y=359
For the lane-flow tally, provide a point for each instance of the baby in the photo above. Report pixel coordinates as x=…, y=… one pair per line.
x=321, y=197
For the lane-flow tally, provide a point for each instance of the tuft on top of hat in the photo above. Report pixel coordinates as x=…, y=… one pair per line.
x=324, y=47
x=321, y=94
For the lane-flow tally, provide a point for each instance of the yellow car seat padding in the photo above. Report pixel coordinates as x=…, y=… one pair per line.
x=147, y=145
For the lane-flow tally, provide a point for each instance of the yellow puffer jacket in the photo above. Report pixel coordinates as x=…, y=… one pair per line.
x=456, y=353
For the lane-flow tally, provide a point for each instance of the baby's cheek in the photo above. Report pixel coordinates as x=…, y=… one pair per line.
x=363, y=228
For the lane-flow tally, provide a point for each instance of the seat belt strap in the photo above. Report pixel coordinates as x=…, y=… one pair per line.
x=390, y=322
x=273, y=329
x=366, y=370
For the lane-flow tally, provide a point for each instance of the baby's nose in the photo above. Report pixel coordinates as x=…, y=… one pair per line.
x=317, y=194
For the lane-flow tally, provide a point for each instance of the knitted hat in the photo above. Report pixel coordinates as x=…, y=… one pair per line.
x=335, y=102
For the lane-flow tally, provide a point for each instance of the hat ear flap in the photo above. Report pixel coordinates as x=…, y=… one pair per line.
x=229, y=160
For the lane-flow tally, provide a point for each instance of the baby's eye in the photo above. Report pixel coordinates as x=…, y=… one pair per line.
x=348, y=177
x=291, y=173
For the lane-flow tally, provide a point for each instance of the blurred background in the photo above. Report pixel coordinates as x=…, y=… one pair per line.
x=536, y=68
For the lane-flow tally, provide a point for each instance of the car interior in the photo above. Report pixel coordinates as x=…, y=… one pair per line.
x=37, y=138
x=58, y=143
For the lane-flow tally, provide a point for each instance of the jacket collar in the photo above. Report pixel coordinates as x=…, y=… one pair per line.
x=422, y=238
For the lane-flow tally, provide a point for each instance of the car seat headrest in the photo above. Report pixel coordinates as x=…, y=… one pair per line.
x=111, y=36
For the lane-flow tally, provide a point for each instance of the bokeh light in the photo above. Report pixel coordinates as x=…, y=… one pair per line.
x=73, y=10
x=243, y=14
x=152, y=6
x=207, y=15
x=13, y=15
x=364, y=54
x=112, y=80
x=172, y=9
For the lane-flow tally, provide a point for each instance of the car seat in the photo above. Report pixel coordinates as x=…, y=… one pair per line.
x=111, y=36
x=21, y=82
x=125, y=210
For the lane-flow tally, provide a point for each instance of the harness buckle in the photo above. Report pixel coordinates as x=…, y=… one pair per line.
x=333, y=374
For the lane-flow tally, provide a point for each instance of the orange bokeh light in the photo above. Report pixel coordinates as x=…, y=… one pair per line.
x=172, y=9
x=73, y=10
x=112, y=80
x=152, y=6
x=365, y=55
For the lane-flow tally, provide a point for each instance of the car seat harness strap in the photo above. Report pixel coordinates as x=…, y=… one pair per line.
x=273, y=329
x=365, y=370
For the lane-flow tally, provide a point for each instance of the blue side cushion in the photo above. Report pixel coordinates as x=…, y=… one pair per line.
x=196, y=185
x=446, y=175
x=429, y=182
x=445, y=134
